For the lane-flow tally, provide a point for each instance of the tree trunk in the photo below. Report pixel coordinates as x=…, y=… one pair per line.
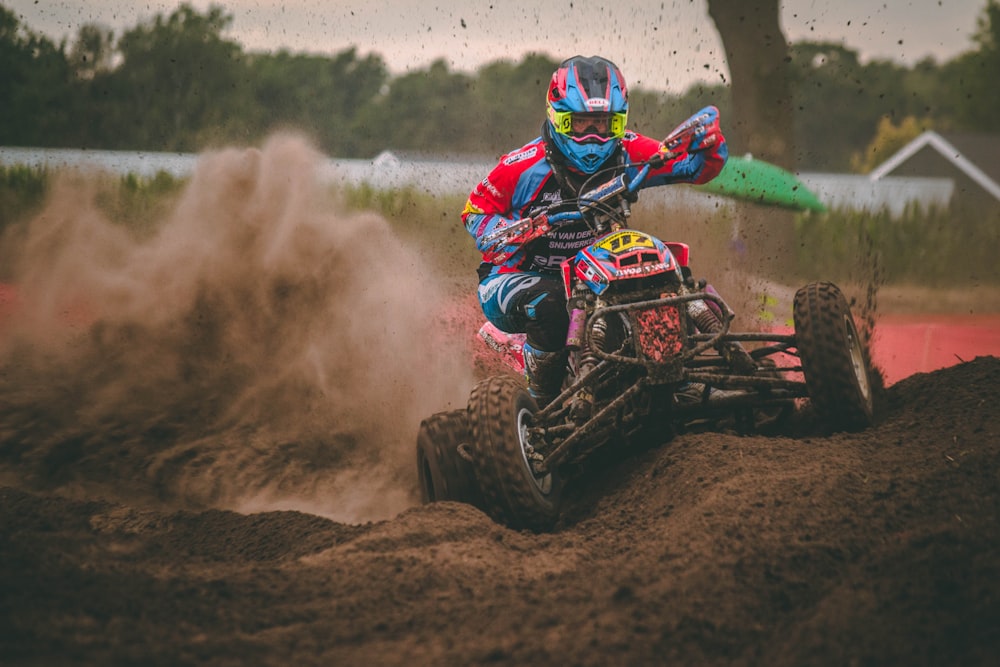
x=758, y=59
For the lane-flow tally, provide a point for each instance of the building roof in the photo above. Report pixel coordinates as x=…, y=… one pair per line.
x=975, y=155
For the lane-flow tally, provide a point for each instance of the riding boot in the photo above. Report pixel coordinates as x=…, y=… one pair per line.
x=545, y=372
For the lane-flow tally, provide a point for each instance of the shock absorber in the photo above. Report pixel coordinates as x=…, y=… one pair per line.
x=708, y=321
x=598, y=333
x=581, y=405
x=703, y=317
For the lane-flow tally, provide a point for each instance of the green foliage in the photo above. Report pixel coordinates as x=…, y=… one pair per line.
x=840, y=102
x=140, y=203
x=425, y=108
x=318, y=95
x=431, y=223
x=971, y=79
x=889, y=138
x=37, y=89
x=183, y=80
x=135, y=202
x=22, y=190
x=933, y=247
x=92, y=52
x=656, y=114
x=507, y=104
x=437, y=110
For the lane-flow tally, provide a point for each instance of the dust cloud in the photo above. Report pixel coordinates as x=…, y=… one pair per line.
x=262, y=349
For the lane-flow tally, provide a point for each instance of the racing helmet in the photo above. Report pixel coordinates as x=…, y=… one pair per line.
x=587, y=110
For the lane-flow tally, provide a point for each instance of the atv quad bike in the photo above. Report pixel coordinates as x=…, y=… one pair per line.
x=650, y=351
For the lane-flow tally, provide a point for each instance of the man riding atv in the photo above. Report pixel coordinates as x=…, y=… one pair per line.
x=618, y=342
x=520, y=288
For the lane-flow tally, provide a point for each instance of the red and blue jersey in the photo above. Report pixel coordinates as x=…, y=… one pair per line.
x=522, y=185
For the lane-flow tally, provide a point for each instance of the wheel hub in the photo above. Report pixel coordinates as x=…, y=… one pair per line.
x=532, y=459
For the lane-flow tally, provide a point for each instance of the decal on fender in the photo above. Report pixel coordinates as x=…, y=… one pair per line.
x=625, y=240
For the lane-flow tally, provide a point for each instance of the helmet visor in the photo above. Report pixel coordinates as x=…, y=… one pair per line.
x=585, y=127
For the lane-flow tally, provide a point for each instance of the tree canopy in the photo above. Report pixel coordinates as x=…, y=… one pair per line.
x=177, y=83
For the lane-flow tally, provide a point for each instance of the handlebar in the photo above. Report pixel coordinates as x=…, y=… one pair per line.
x=673, y=145
x=596, y=198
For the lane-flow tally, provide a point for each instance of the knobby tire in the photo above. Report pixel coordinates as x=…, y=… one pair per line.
x=513, y=495
x=833, y=356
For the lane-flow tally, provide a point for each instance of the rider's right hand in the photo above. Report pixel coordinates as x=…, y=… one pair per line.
x=540, y=223
x=510, y=239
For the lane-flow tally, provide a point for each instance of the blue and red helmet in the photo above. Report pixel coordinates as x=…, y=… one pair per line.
x=587, y=110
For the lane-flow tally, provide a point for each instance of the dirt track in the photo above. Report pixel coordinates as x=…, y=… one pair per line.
x=233, y=385
x=875, y=548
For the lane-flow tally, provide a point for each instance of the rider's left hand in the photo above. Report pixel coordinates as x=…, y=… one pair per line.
x=708, y=136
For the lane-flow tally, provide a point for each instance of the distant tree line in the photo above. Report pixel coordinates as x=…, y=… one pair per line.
x=175, y=83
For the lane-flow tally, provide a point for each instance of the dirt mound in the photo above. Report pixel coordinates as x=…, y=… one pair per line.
x=881, y=547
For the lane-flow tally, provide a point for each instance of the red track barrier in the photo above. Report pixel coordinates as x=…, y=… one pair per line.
x=908, y=344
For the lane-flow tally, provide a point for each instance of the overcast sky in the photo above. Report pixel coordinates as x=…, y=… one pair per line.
x=660, y=44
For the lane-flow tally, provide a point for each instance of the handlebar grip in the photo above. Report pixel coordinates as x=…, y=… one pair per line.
x=566, y=216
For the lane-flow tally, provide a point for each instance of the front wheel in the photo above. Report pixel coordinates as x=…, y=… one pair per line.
x=834, y=360
x=444, y=472
x=501, y=411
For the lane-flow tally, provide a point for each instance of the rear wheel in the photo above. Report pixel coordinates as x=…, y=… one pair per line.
x=443, y=468
x=834, y=360
x=500, y=413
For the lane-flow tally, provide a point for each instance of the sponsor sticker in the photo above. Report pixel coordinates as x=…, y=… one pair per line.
x=625, y=240
x=492, y=189
x=520, y=156
x=642, y=270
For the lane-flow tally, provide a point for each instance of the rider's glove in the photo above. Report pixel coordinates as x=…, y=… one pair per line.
x=508, y=240
x=540, y=225
x=698, y=133
x=709, y=134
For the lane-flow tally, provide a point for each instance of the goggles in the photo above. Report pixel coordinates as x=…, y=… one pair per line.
x=583, y=126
